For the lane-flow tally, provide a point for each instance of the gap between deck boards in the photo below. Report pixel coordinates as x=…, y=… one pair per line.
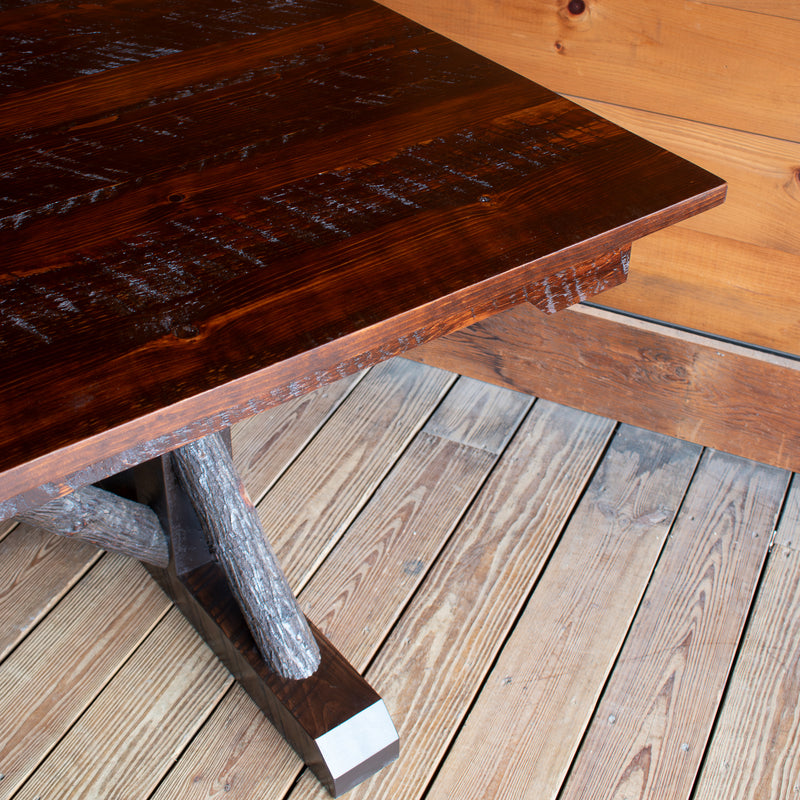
x=551, y=605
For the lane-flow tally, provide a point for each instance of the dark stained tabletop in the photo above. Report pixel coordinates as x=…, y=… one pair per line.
x=210, y=206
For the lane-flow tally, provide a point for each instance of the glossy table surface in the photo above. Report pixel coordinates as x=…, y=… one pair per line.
x=210, y=206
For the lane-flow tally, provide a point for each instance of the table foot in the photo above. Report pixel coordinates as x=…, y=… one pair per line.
x=333, y=719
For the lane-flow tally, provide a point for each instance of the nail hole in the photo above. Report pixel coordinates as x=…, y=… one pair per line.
x=185, y=331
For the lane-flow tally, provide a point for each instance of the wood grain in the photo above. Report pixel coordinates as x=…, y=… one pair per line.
x=90, y=98
x=752, y=299
x=730, y=272
x=717, y=394
x=649, y=733
x=237, y=753
x=477, y=415
x=184, y=681
x=187, y=245
x=320, y=494
x=754, y=751
x=368, y=578
x=105, y=520
x=470, y=598
x=75, y=651
x=310, y=712
x=776, y=8
x=36, y=570
x=265, y=445
x=361, y=589
x=761, y=172
x=710, y=63
x=706, y=80
x=566, y=640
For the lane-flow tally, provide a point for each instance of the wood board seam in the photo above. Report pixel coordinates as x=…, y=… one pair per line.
x=178, y=755
x=783, y=517
x=100, y=688
x=748, y=10
x=769, y=556
x=618, y=656
x=171, y=615
x=580, y=99
x=359, y=376
x=453, y=531
x=55, y=601
x=488, y=669
x=740, y=530
x=366, y=496
x=10, y=525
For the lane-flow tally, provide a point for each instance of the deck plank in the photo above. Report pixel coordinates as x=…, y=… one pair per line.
x=435, y=660
x=154, y=704
x=237, y=754
x=59, y=669
x=651, y=728
x=540, y=696
x=265, y=445
x=755, y=751
x=36, y=570
x=439, y=556
x=362, y=587
x=320, y=494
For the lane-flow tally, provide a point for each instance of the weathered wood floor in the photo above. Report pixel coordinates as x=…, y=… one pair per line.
x=551, y=604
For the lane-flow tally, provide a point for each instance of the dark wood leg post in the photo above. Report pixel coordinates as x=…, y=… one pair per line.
x=334, y=720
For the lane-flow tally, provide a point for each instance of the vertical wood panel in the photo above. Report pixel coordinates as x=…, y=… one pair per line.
x=733, y=270
x=724, y=66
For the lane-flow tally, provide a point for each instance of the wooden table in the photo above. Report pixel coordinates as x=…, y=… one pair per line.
x=209, y=207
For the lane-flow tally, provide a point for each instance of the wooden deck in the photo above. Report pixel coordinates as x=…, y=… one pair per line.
x=551, y=604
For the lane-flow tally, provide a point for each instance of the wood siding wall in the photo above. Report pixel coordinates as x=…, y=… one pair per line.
x=717, y=82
